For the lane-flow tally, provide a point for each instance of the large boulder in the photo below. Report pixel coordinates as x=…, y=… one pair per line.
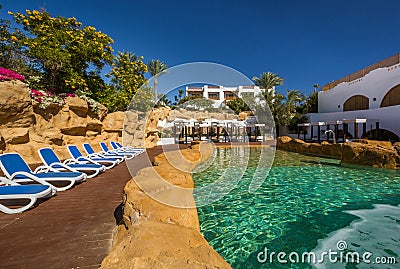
x=78, y=105
x=332, y=150
x=376, y=143
x=159, y=235
x=70, y=123
x=53, y=136
x=371, y=155
x=114, y=122
x=94, y=125
x=15, y=135
x=15, y=105
x=283, y=140
x=160, y=245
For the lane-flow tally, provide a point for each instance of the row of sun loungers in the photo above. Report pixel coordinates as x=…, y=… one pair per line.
x=22, y=184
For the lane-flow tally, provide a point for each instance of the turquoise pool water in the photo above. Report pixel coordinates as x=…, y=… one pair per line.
x=305, y=204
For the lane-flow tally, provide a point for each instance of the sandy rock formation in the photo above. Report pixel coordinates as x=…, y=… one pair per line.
x=155, y=235
x=15, y=105
x=371, y=155
x=23, y=124
x=25, y=127
x=380, y=154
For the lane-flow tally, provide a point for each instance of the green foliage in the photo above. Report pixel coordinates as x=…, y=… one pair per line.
x=66, y=54
x=127, y=76
x=268, y=80
x=156, y=69
x=11, y=55
x=180, y=99
x=142, y=100
x=163, y=101
x=238, y=105
x=310, y=104
x=199, y=103
x=127, y=73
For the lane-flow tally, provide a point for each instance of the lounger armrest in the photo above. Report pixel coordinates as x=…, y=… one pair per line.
x=44, y=169
x=72, y=161
x=87, y=160
x=68, y=161
x=6, y=181
x=30, y=176
x=66, y=167
x=95, y=155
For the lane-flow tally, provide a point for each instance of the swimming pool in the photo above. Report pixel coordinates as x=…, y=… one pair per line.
x=305, y=204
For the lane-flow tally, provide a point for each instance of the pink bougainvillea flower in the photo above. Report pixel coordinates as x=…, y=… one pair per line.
x=7, y=74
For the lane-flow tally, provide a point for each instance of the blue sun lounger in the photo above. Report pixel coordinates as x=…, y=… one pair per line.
x=16, y=169
x=118, y=147
x=90, y=151
x=106, y=150
x=49, y=158
x=12, y=191
x=77, y=155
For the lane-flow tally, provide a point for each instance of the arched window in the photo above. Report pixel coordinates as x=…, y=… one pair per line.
x=392, y=97
x=356, y=102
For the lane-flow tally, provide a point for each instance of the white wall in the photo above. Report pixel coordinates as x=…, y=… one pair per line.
x=374, y=85
x=217, y=103
x=388, y=117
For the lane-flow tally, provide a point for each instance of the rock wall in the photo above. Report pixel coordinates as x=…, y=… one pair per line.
x=381, y=154
x=25, y=127
x=155, y=235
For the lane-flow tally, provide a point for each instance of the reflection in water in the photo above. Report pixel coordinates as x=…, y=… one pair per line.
x=303, y=201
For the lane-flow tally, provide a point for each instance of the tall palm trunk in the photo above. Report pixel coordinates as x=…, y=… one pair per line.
x=155, y=89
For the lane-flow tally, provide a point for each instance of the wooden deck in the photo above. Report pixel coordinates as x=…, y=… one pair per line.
x=73, y=229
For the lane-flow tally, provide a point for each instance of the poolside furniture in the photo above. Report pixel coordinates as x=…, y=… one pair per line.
x=16, y=169
x=12, y=191
x=94, y=158
x=106, y=150
x=90, y=151
x=49, y=158
x=118, y=147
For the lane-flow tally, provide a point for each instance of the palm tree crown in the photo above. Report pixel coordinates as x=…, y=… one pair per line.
x=268, y=80
x=156, y=69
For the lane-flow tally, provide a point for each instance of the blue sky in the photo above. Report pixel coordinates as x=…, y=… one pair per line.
x=305, y=42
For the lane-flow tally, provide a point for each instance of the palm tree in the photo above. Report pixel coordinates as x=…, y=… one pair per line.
x=293, y=98
x=156, y=69
x=163, y=100
x=268, y=80
x=316, y=86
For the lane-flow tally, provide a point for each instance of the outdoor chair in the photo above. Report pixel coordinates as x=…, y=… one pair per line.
x=125, y=155
x=49, y=158
x=94, y=158
x=17, y=170
x=11, y=191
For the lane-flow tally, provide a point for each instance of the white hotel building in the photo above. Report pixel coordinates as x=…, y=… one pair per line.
x=363, y=104
x=221, y=94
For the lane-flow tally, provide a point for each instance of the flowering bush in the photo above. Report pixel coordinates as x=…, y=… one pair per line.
x=7, y=74
x=93, y=104
x=46, y=98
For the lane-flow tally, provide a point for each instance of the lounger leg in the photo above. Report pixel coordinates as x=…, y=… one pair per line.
x=8, y=210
